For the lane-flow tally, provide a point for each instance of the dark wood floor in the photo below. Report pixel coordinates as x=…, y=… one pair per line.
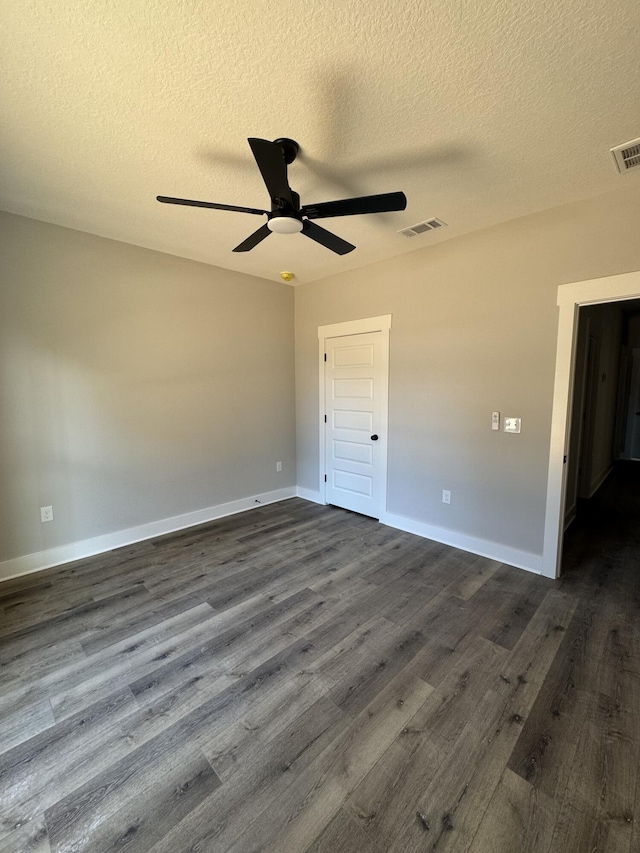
x=301, y=678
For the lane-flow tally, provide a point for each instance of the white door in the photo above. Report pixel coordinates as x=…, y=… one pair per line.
x=356, y=378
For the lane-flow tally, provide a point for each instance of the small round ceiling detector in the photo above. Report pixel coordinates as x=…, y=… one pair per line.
x=287, y=276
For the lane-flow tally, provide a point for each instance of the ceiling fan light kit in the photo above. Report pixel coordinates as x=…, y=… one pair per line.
x=286, y=215
x=284, y=225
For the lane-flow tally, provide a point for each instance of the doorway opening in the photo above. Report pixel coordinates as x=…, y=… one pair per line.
x=605, y=412
x=592, y=374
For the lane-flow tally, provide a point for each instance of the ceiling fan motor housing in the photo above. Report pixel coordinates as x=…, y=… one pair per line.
x=290, y=148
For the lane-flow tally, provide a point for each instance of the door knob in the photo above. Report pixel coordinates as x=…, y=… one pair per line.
x=374, y=438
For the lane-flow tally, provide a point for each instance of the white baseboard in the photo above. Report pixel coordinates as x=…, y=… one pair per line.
x=309, y=495
x=99, y=544
x=482, y=547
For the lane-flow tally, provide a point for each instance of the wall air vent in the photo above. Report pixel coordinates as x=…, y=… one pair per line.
x=422, y=227
x=627, y=156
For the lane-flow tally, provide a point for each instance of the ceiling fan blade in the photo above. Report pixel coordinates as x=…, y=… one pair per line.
x=350, y=206
x=253, y=239
x=191, y=203
x=270, y=159
x=326, y=238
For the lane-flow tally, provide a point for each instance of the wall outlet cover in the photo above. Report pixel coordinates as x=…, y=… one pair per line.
x=512, y=424
x=46, y=513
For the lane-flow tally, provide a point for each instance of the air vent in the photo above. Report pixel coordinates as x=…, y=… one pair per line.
x=422, y=227
x=627, y=156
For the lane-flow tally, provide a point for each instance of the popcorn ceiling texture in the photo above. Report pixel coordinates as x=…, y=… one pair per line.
x=480, y=111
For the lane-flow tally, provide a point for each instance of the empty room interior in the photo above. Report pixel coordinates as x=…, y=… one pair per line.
x=320, y=427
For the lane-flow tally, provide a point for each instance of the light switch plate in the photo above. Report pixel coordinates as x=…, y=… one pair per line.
x=512, y=424
x=495, y=420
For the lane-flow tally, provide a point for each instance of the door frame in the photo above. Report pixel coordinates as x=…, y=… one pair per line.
x=338, y=330
x=571, y=297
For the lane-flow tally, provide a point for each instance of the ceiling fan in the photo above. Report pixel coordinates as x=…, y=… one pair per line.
x=286, y=216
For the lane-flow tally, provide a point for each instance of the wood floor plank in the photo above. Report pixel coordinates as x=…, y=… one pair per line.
x=76, y=679
x=544, y=752
x=261, y=774
x=358, y=689
x=519, y=817
x=133, y=803
x=514, y=616
x=42, y=602
x=581, y=748
x=37, y=773
x=469, y=581
x=112, y=668
x=31, y=837
x=25, y=668
x=26, y=722
x=308, y=679
x=212, y=656
x=389, y=795
x=577, y=831
x=193, y=711
x=248, y=742
x=76, y=622
x=23, y=590
x=343, y=835
x=459, y=794
x=306, y=808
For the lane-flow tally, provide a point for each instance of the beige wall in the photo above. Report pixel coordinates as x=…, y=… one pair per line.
x=135, y=386
x=474, y=330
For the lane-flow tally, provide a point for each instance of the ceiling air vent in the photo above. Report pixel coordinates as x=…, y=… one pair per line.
x=627, y=156
x=422, y=227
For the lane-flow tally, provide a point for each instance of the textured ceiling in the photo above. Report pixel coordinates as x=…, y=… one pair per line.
x=480, y=111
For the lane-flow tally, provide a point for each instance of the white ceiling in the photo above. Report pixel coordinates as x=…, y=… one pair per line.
x=480, y=111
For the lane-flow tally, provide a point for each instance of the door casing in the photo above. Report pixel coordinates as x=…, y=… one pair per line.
x=571, y=297
x=337, y=330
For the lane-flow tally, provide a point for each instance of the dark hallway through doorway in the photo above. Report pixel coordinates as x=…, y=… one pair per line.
x=603, y=543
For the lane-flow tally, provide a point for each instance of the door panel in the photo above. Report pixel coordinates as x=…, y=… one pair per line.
x=355, y=394
x=361, y=389
x=352, y=451
x=345, y=419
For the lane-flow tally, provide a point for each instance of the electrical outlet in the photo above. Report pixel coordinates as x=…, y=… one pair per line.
x=278, y=466
x=512, y=424
x=46, y=513
x=446, y=496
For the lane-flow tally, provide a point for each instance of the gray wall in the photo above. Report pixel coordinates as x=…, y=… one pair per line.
x=474, y=330
x=134, y=386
